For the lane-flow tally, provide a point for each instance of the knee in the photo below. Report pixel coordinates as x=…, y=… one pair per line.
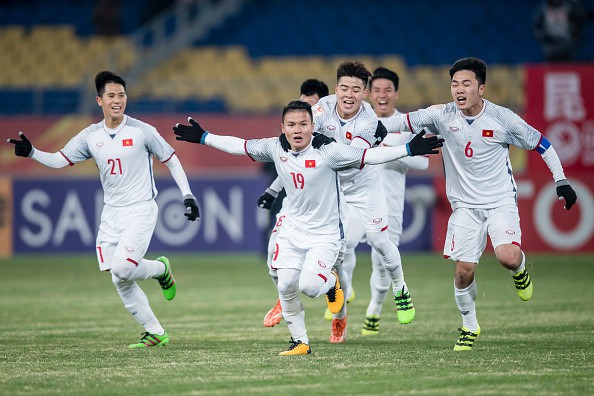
x=380, y=242
x=286, y=288
x=122, y=268
x=509, y=255
x=310, y=284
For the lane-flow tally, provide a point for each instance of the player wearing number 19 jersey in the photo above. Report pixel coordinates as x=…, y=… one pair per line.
x=479, y=183
x=310, y=240
x=123, y=149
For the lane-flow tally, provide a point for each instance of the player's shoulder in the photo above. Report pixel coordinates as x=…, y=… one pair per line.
x=493, y=109
x=324, y=106
x=136, y=123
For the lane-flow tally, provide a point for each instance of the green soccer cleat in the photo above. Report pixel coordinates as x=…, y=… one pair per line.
x=466, y=340
x=371, y=326
x=150, y=340
x=523, y=285
x=405, y=311
x=166, y=280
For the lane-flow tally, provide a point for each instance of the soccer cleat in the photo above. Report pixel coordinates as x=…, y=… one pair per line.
x=466, y=340
x=296, y=348
x=328, y=314
x=274, y=316
x=150, y=340
x=166, y=280
x=523, y=285
x=405, y=311
x=335, y=296
x=339, y=330
x=371, y=326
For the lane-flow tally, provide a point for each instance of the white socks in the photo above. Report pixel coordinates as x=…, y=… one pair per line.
x=465, y=299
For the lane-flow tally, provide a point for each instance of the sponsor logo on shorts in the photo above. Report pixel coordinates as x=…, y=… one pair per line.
x=321, y=264
x=510, y=232
x=129, y=249
x=377, y=220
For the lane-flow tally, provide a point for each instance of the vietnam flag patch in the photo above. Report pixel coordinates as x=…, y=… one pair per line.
x=127, y=142
x=310, y=163
x=349, y=135
x=487, y=133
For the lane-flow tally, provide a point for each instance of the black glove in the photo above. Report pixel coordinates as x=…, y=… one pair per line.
x=193, y=133
x=319, y=140
x=192, y=212
x=566, y=192
x=23, y=147
x=266, y=200
x=284, y=142
x=380, y=133
x=421, y=146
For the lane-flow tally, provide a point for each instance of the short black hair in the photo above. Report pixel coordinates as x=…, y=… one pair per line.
x=353, y=69
x=312, y=86
x=105, y=77
x=297, y=105
x=476, y=65
x=382, y=72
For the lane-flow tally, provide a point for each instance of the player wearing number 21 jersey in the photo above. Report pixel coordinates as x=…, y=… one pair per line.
x=312, y=235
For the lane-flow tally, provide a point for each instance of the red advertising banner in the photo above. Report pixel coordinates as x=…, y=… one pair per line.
x=560, y=104
x=546, y=226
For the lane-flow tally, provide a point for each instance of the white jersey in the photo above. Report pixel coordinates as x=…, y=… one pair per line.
x=476, y=151
x=310, y=178
x=124, y=157
x=362, y=126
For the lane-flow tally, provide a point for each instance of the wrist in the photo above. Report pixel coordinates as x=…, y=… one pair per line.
x=272, y=192
x=203, y=137
x=408, y=150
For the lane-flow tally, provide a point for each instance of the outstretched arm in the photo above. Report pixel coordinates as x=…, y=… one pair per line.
x=550, y=157
x=417, y=146
x=24, y=148
x=194, y=133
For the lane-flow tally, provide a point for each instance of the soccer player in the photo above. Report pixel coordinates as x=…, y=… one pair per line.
x=310, y=241
x=383, y=97
x=346, y=117
x=310, y=92
x=123, y=149
x=480, y=184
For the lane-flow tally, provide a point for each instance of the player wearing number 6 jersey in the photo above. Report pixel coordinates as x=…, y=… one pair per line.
x=311, y=238
x=479, y=183
x=123, y=149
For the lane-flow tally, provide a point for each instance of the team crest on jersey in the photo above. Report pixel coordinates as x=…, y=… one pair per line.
x=349, y=135
x=454, y=129
x=321, y=264
x=99, y=144
x=331, y=128
x=310, y=163
x=127, y=142
x=283, y=159
x=487, y=133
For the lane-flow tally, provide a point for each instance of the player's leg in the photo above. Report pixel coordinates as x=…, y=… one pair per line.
x=293, y=311
x=379, y=283
x=274, y=315
x=506, y=237
x=464, y=243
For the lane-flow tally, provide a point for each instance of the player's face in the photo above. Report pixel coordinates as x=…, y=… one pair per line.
x=312, y=99
x=467, y=92
x=350, y=93
x=298, y=129
x=383, y=97
x=113, y=103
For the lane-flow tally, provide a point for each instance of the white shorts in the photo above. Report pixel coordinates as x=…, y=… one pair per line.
x=126, y=232
x=468, y=229
x=297, y=250
x=370, y=208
